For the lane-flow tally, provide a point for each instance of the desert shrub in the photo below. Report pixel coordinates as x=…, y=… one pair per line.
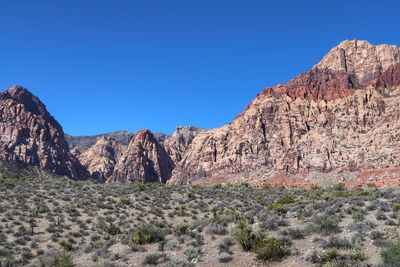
x=217, y=229
x=325, y=224
x=324, y=257
x=286, y=199
x=63, y=259
x=244, y=235
x=8, y=261
x=376, y=235
x=125, y=200
x=155, y=258
x=380, y=215
x=357, y=216
x=391, y=255
x=277, y=207
x=112, y=229
x=193, y=253
x=181, y=230
x=225, y=245
x=176, y=263
x=146, y=234
x=26, y=255
x=330, y=254
x=339, y=242
x=224, y=258
x=270, y=248
x=67, y=245
x=294, y=233
x=357, y=255
x=362, y=227
x=170, y=245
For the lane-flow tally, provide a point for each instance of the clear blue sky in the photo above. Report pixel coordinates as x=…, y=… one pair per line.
x=101, y=66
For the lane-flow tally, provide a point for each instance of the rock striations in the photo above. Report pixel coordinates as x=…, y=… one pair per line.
x=338, y=122
x=100, y=159
x=145, y=160
x=30, y=135
x=332, y=122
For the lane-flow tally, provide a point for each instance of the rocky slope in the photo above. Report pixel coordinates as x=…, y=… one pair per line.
x=338, y=122
x=101, y=158
x=79, y=144
x=177, y=144
x=31, y=136
x=330, y=123
x=145, y=159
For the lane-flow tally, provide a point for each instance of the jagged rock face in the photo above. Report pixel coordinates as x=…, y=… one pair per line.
x=320, y=122
x=177, y=144
x=361, y=60
x=30, y=135
x=79, y=144
x=144, y=160
x=101, y=158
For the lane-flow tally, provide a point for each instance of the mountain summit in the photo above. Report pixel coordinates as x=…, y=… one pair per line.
x=361, y=60
x=330, y=124
x=338, y=122
x=30, y=135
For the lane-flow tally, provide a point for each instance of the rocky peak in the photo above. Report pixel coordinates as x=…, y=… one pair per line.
x=361, y=60
x=145, y=159
x=177, y=144
x=101, y=158
x=22, y=96
x=328, y=124
x=30, y=135
x=144, y=136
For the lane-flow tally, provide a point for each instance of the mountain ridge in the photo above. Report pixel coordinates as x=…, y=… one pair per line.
x=319, y=127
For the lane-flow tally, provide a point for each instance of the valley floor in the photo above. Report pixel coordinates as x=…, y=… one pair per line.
x=57, y=222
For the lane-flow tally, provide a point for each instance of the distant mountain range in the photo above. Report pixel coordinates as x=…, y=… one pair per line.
x=338, y=122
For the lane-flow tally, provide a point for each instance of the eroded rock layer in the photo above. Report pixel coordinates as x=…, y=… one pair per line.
x=30, y=135
x=144, y=160
x=339, y=118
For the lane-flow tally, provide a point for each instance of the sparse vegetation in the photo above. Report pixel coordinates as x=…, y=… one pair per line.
x=60, y=222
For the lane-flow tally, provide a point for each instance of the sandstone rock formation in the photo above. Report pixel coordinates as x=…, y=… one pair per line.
x=79, y=144
x=145, y=160
x=101, y=158
x=30, y=135
x=334, y=121
x=361, y=60
x=338, y=122
x=177, y=144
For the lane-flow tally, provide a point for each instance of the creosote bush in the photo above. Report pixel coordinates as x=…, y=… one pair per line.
x=267, y=248
x=63, y=259
x=146, y=234
x=270, y=249
x=326, y=224
x=244, y=235
x=391, y=255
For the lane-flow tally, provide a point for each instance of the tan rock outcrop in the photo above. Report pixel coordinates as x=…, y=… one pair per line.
x=144, y=160
x=320, y=122
x=101, y=158
x=177, y=144
x=361, y=60
x=30, y=135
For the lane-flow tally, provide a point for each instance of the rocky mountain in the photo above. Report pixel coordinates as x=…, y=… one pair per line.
x=333, y=123
x=337, y=122
x=145, y=159
x=360, y=60
x=79, y=144
x=177, y=144
x=158, y=150
x=101, y=158
x=30, y=135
